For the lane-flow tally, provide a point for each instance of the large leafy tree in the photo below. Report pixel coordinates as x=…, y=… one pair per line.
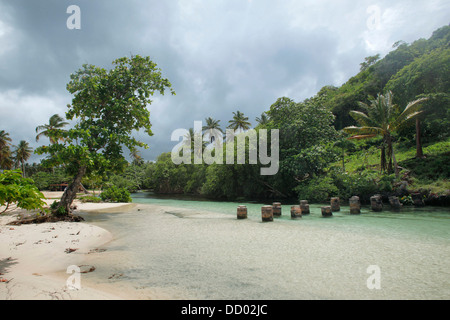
x=55, y=122
x=108, y=105
x=383, y=118
x=304, y=130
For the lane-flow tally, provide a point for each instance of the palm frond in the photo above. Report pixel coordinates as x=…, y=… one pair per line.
x=362, y=118
x=364, y=130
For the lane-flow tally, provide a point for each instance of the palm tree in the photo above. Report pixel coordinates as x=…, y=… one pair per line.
x=383, y=118
x=4, y=138
x=48, y=130
x=211, y=126
x=5, y=152
x=136, y=157
x=263, y=120
x=189, y=140
x=239, y=122
x=22, y=153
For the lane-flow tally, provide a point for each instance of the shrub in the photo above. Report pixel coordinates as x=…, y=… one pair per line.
x=114, y=194
x=318, y=189
x=22, y=191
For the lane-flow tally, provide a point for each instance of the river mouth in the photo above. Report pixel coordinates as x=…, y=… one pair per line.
x=198, y=250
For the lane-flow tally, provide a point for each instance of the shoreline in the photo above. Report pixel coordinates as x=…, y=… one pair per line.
x=34, y=258
x=191, y=246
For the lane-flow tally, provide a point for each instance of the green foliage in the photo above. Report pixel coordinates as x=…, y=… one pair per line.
x=318, y=189
x=57, y=210
x=22, y=191
x=44, y=179
x=344, y=185
x=426, y=169
x=114, y=194
x=109, y=105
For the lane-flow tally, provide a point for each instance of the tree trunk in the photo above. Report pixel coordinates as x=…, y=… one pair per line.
x=389, y=153
x=71, y=191
x=383, y=158
x=419, y=151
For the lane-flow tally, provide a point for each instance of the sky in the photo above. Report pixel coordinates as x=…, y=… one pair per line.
x=220, y=55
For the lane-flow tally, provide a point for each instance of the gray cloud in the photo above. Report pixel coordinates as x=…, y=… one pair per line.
x=221, y=56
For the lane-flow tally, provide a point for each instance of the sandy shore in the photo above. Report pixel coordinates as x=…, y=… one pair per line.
x=161, y=252
x=33, y=257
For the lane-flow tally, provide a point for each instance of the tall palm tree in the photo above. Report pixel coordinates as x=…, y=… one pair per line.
x=22, y=153
x=136, y=157
x=48, y=130
x=210, y=126
x=383, y=118
x=5, y=151
x=239, y=122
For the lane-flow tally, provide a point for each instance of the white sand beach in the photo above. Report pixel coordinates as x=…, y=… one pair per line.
x=32, y=254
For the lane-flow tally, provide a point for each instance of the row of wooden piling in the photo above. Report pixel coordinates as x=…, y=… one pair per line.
x=269, y=212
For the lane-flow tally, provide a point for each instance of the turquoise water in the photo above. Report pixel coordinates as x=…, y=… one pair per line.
x=409, y=221
x=204, y=252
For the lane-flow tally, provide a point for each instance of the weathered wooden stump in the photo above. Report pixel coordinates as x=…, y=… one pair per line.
x=335, y=205
x=304, y=206
x=395, y=203
x=276, y=206
x=377, y=203
x=242, y=212
x=296, y=212
x=267, y=213
x=326, y=212
x=355, y=205
x=417, y=199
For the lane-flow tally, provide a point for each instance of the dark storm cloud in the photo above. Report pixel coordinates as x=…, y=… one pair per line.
x=220, y=56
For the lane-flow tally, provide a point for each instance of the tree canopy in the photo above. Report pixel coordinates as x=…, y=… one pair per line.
x=108, y=105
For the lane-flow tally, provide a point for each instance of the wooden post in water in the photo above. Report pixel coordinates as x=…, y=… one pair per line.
x=267, y=213
x=242, y=212
x=276, y=209
x=355, y=205
x=326, y=212
x=304, y=206
x=377, y=203
x=296, y=212
x=335, y=205
x=395, y=203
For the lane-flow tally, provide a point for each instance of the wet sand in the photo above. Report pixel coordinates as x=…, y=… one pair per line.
x=33, y=256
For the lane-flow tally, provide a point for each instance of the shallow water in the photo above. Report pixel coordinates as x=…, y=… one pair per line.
x=182, y=252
